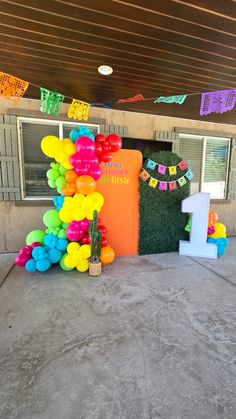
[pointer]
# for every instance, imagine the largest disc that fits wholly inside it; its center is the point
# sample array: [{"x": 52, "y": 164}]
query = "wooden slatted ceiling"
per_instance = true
[{"x": 160, "y": 47}]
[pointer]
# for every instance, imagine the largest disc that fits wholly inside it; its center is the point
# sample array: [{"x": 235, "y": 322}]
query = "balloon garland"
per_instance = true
[{"x": 66, "y": 239}]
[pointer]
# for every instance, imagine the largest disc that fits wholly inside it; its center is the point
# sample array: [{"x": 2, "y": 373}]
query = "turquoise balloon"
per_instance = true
[
  {"x": 35, "y": 236},
  {"x": 51, "y": 219}
]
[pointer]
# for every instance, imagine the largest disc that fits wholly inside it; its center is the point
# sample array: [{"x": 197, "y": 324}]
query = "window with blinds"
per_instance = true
[
  {"x": 34, "y": 164},
  {"x": 208, "y": 157}
]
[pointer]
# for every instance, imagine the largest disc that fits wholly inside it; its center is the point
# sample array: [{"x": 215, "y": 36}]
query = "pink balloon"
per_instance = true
[
  {"x": 85, "y": 146},
  {"x": 84, "y": 224},
  {"x": 76, "y": 159},
  {"x": 74, "y": 231},
  {"x": 81, "y": 170},
  {"x": 95, "y": 171},
  {"x": 23, "y": 255},
  {"x": 36, "y": 244}
]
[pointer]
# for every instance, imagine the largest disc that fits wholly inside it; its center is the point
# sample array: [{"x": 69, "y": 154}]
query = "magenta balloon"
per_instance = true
[
  {"x": 94, "y": 160},
  {"x": 74, "y": 231},
  {"x": 76, "y": 160},
  {"x": 95, "y": 171},
  {"x": 84, "y": 224},
  {"x": 81, "y": 170},
  {"x": 85, "y": 146},
  {"x": 36, "y": 244}
]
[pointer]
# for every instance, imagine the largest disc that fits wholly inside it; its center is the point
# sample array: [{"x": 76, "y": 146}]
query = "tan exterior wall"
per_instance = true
[{"x": 16, "y": 222}]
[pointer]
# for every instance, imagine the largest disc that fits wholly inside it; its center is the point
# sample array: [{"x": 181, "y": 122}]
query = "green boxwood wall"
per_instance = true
[{"x": 161, "y": 221}]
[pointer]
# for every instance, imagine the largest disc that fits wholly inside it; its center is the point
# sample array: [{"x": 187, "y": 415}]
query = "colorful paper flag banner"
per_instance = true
[
  {"x": 11, "y": 87},
  {"x": 79, "y": 110},
  {"x": 217, "y": 102},
  {"x": 160, "y": 168},
  {"x": 179, "y": 99},
  {"x": 135, "y": 98},
  {"x": 50, "y": 102}
]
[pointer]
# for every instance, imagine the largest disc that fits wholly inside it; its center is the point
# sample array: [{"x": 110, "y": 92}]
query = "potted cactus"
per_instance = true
[{"x": 95, "y": 265}]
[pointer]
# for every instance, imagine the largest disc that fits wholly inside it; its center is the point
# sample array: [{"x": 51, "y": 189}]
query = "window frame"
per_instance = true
[
  {"x": 203, "y": 158},
  {"x": 56, "y": 122}
]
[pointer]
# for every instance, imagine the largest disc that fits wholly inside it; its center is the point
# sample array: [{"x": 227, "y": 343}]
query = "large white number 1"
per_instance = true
[{"x": 198, "y": 206}]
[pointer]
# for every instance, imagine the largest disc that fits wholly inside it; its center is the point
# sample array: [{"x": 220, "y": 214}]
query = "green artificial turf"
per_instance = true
[{"x": 161, "y": 221}]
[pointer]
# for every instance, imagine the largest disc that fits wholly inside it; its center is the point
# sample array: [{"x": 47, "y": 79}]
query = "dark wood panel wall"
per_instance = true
[{"x": 160, "y": 47}]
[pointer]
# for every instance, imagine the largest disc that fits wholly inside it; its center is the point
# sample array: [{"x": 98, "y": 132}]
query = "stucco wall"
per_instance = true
[{"x": 16, "y": 222}]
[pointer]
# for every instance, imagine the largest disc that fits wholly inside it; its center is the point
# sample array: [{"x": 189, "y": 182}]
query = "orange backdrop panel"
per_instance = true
[{"x": 120, "y": 188}]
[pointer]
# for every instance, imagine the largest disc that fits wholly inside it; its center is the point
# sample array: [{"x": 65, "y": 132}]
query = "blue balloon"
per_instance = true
[
  {"x": 62, "y": 244},
  {"x": 58, "y": 201},
  {"x": 30, "y": 265},
  {"x": 54, "y": 255},
  {"x": 74, "y": 134},
  {"x": 43, "y": 265},
  {"x": 51, "y": 240}
]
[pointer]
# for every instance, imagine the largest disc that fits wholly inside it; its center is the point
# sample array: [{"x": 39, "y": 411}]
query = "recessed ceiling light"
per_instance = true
[{"x": 105, "y": 70}]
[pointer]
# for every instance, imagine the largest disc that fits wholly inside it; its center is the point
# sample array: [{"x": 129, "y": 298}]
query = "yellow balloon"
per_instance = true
[
  {"x": 51, "y": 145},
  {"x": 70, "y": 262},
  {"x": 82, "y": 265},
  {"x": 78, "y": 198},
  {"x": 65, "y": 215},
  {"x": 86, "y": 251},
  {"x": 87, "y": 203},
  {"x": 66, "y": 163},
  {"x": 97, "y": 198},
  {"x": 78, "y": 214},
  {"x": 69, "y": 149},
  {"x": 89, "y": 213},
  {"x": 73, "y": 247},
  {"x": 220, "y": 231}
]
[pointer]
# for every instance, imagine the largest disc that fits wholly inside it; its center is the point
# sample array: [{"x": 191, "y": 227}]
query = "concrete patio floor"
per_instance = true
[{"x": 154, "y": 337}]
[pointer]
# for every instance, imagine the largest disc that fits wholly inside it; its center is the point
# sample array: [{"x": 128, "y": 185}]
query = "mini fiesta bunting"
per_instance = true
[
  {"x": 160, "y": 168},
  {"x": 165, "y": 185}
]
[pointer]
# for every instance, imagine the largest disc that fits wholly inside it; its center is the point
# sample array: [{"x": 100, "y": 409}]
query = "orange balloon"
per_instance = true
[
  {"x": 212, "y": 218},
  {"x": 71, "y": 176},
  {"x": 85, "y": 184},
  {"x": 68, "y": 190},
  {"x": 107, "y": 255}
]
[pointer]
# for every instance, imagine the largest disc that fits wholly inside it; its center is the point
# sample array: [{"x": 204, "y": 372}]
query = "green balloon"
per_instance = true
[
  {"x": 62, "y": 234},
  {"x": 62, "y": 264},
  {"x": 35, "y": 236},
  {"x": 52, "y": 174},
  {"x": 62, "y": 170},
  {"x": 51, "y": 183},
  {"x": 60, "y": 182},
  {"x": 51, "y": 218}
]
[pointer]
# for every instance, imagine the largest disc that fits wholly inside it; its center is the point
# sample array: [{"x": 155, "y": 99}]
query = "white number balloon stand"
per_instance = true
[{"x": 198, "y": 206}]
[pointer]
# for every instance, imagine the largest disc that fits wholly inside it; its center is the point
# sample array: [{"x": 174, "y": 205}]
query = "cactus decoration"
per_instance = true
[{"x": 95, "y": 237}]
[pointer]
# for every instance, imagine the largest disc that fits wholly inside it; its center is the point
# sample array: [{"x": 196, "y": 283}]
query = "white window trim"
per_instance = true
[
  {"x": 60, "y": 124},
  {"x": 204, "y": 138}
]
